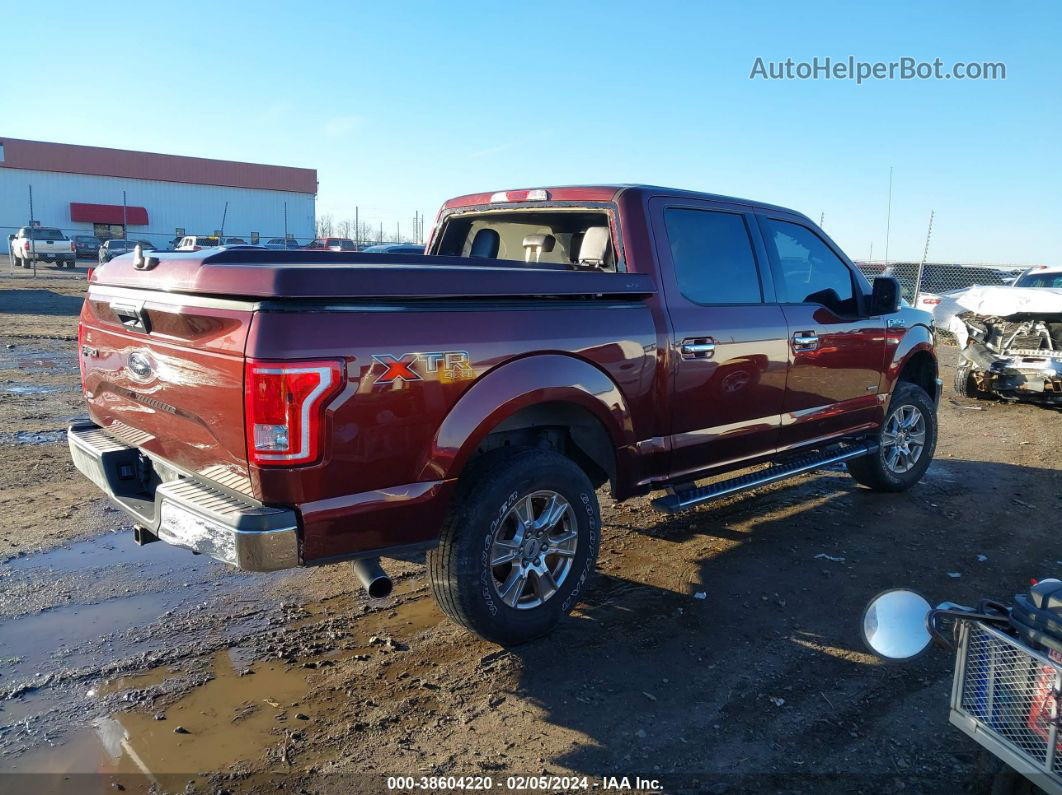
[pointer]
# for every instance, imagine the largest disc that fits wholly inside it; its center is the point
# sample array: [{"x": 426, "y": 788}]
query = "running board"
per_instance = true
[{"x": 681, "y": 499}]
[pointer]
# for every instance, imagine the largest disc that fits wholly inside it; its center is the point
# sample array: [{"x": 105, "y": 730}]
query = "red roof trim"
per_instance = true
[
  {"x": 108, "y": 214},
  {"x": 102, "y": 162}
]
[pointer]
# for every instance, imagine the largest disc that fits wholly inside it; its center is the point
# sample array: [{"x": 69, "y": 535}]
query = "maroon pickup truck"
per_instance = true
[{"x": 295, "y": 408}]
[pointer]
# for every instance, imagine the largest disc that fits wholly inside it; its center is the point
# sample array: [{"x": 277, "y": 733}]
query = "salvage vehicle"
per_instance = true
[
  {"x": 1011, "y": 339},
  {"x": 42, "y": 244},
  {"x": 284, "y": 408},
  {"x": 1041, "y": 276},
  {"x": 1006, "y": 691}
]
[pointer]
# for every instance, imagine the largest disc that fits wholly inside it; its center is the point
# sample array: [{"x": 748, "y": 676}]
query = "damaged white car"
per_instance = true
[{"x": 1011, "y": 340}]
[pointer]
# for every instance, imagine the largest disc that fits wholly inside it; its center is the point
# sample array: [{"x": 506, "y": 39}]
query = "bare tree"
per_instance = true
[
  {"x": 344, "y": 229},
  {"x": 324, "y": 226}
]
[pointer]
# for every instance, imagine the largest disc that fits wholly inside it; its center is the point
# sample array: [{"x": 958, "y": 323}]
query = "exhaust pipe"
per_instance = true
[{"x": 372, "y": 577}]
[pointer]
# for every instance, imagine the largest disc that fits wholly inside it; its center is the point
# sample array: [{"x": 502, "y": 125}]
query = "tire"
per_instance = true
[
  {"x": 965, "y": 386},
  {"x": 889, "y": 469},
  {"x": 483, "y": 525}
]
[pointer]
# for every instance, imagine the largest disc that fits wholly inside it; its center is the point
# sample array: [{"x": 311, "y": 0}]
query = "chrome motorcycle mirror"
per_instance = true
[{"x": 894, "y": 624}]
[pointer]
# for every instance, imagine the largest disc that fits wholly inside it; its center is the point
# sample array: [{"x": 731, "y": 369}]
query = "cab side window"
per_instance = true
[
  {"x": 812, "y": 273},
  {"x": 713, "y": 259}
]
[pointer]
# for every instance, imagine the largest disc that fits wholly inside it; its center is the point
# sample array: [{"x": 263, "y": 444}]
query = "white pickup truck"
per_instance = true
[{"x": 43, "y": 244}]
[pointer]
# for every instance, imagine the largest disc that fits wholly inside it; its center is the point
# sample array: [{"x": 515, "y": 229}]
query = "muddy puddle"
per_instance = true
[
  {"x": 204, "y": 649},
  {"x": 29, "y": 389},
  {"x": 33, "y": 437}
]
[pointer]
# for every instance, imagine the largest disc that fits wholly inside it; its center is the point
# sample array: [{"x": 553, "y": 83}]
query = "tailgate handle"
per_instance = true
[{"x": 131, "y": 316}]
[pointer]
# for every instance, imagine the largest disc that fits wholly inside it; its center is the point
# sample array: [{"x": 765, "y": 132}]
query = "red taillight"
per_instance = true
[
  {"x": 930, "y": 301},
  {"x": 88, "y": 274},
  {"x": 284, "y": 410},
  {"x": 25, "y": 245}
]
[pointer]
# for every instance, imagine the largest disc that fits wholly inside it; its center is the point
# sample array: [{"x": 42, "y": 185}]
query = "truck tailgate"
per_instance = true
[{"x": 165, "y": 373}]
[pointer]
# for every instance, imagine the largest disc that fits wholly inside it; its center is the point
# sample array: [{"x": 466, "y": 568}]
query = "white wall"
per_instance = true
[{"x": 197, "y": 208}]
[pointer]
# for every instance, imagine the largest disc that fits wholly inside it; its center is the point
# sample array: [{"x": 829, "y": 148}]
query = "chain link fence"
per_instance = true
[{"x": 923, "y": 284}]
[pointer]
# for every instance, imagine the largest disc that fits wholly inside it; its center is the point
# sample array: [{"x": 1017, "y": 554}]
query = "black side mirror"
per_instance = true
[{"x": 885, "y": 296}]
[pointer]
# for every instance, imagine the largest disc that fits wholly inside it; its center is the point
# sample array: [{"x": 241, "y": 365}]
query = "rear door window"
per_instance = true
[
  {"x": 812, "y": 273},
  {"x": 712, "y": 255}
]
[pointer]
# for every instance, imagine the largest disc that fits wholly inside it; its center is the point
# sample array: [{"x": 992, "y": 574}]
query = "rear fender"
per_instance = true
[{"x": 499, "y": 394}]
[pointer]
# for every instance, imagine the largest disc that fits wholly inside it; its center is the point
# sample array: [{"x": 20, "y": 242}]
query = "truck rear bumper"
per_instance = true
[{"x": 186, "y": 511}]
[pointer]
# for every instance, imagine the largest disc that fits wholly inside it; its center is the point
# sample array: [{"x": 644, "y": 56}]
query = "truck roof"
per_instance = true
[{"x": 598, "y": 193}]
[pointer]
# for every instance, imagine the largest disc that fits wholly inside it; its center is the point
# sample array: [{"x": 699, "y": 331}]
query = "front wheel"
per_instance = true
[
  {"x": 906, "y": 443},
  {"x": 518, "y": 546}
]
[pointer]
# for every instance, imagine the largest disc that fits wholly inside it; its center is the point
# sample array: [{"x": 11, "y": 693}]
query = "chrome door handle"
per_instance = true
[
  {"x": 805, "y": 341},
  {"x": 697, "y": 349}
]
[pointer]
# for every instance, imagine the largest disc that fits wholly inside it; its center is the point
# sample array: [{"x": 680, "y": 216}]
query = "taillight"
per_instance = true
[
  {"x": 88, "y": 274},
  {"x": 284, "y": 410},
  {"x": 930, "y": 301},
  {"x": 25, "y": 245}
]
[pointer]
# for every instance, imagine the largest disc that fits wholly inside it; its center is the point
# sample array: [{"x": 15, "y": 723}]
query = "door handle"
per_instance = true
[
  {"x": 805, "y": 341},
  {"x": 702, "y": 348}
]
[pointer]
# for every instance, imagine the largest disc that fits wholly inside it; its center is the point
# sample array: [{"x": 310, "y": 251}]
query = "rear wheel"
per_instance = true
[
  {"x": 906, "y": 443},
  {"x": 518, "y": 546}
]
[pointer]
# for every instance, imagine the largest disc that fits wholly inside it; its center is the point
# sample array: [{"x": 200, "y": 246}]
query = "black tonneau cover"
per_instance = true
[{"x": 264, "y": 273}]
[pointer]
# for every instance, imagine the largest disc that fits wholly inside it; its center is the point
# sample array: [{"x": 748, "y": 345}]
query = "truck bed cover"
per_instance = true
[{"x": 307, "y": 274}]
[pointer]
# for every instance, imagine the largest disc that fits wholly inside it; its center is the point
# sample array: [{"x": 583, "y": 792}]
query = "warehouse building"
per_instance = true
[{"x": 89, "y": 190}]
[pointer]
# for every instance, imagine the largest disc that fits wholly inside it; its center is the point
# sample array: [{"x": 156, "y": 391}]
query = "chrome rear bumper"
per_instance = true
[{"x": 187, "y": 511}]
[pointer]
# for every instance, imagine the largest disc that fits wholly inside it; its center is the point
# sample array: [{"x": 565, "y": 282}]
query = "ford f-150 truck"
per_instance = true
[{"x": 295, "y": 408}]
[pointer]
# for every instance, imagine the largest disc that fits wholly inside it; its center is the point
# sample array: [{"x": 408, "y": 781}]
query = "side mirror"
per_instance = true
[
  {"x": 885, "y": 296},
  {"x": 894, "y": 624},
  {"x": 10, "y": 238}
]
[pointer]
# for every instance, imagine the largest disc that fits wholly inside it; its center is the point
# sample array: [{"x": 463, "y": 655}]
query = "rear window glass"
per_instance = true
[
  {"x": 46, "y": 233},
  {"x": 579, "y": 238}
]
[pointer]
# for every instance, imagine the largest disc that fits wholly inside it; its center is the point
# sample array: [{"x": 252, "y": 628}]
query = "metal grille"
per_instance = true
[{"x": 1006, "y": 696}]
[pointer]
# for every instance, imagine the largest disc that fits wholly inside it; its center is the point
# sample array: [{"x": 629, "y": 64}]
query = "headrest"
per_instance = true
[
  {"x": 594, "y": 248},
  {"x": 544, "y": 242},
  {"x": 485, "y": 244},
  {"x": 538, "y": 245}
]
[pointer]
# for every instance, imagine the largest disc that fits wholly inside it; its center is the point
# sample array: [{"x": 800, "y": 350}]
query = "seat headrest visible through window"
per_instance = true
[
  {"x": 485, "y": 244},
  {"x": 537, "y": 245},
  {"x": 594, "y": 249}
]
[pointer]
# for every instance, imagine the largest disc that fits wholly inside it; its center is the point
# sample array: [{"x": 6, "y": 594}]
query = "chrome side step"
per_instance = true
[{"x": 681, "y": 499}]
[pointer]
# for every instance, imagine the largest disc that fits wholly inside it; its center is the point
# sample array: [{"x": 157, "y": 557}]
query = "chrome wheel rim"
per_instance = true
[
  {"x": 533, "y": 549},
  {"x": 903, "y": 439}
]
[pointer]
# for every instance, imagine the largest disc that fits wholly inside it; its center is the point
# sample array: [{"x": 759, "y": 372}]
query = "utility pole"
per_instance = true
[
  {"x": 888, "y": 220},
  {"x": 922, "y": 264},
  {"x": 357, "y": 227},
  {"x": 33, "y": 236},
  {"x": 381, "y": 233},
  {"x": 822, "y": 217},
  {"x": 125, "y": 218},
  {"x": 871, "y": 257},
  {"x": 285, "y": 224},
  {"x": 224, "y": 215},
  {"x": 398, "y": 233}
]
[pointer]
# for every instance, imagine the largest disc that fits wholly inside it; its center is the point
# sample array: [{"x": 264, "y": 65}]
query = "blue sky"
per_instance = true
[{"x": 401, "y": 105}]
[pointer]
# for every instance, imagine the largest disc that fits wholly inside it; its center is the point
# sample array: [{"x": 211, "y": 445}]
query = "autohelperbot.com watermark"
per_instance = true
[{"x": 851, "y": 68}]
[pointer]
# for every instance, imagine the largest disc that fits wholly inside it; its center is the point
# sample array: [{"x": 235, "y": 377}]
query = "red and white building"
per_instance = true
[{"x": 79, "y": 189}]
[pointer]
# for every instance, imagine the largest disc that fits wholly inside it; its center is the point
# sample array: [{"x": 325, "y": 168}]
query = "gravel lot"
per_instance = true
[{"x": 295, "y": 681}]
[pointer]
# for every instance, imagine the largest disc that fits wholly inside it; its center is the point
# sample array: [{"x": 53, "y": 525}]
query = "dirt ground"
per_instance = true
[{"x": 149, "y": 668}]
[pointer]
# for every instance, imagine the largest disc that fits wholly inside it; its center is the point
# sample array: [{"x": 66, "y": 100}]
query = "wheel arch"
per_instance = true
[
  {"x": 524, "y": 399},
  {"x": 915, "y": 361}
]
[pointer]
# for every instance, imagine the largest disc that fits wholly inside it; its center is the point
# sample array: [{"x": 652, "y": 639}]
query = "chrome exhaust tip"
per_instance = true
[{"x": 372, "y": 577}]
